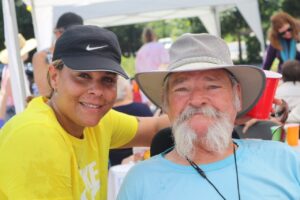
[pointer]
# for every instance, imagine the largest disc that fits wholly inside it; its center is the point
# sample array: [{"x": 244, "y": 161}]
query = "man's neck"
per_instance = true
[{"x": 201, "y": 157}]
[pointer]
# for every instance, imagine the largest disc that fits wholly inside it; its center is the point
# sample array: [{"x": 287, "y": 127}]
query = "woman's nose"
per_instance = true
[{"x": 96, "y": 89}]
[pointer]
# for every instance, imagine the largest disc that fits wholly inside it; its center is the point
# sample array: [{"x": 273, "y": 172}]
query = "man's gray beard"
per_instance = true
[{"x": 216, "y": 139}]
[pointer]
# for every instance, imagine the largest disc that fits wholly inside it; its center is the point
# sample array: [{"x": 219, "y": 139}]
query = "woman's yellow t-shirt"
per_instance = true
[{"x": 39, "y": 160}]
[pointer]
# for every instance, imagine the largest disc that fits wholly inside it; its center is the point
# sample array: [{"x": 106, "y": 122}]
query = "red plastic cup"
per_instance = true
[{"x": 263, "y": 107}]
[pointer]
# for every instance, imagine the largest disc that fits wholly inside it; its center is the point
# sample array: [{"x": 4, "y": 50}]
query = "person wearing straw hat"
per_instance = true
[
  {"x": 25, "y": 47},
  {"x": 203, "y": 92},
  {"x": 42, "y": 59},
  {"x": 58, "y": 147}
]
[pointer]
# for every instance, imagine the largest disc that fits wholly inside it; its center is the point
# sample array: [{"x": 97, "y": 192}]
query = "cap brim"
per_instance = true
[
  {"x": 251, "y": 79},
  {"x": 94, "y": 63}
]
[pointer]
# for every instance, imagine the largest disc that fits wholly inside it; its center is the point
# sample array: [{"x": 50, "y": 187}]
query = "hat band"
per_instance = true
[{"x": 199, "y": 60}]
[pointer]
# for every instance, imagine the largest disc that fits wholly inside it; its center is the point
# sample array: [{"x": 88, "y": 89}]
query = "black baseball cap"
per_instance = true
[
  {"x": 89, "y": 48},
  {"x": 67, "y": 20}
]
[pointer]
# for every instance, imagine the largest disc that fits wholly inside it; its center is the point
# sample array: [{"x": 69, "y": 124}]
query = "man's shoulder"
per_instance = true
[
  {"x": 259, "y": 143},
  {"x": 264, "y": 146},
  {"x": 150, "y": 165}
]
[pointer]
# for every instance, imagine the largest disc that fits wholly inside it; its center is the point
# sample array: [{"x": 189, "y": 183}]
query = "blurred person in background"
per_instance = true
[
  {"x": 25, "y": 47},
  {"x": 42, "y": 59},
  {"x": 289, "y": 90},
  {"x": 283, "y": 36},
  {"x": 151, "y": 56},
  {"x": 125, "y": 104}
]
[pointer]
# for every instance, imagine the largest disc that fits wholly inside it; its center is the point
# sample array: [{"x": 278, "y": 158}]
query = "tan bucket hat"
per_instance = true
[
  {"x": 195, "y": 52},
  {"x": 25, "y": 47}
]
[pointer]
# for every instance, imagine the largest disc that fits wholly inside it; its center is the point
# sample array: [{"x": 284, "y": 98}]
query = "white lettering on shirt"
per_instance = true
[{"x": 92, "y": 184}]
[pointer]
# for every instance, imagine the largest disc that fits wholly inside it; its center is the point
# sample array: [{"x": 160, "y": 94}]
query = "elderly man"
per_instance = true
[{"x": 203, "y": 92}]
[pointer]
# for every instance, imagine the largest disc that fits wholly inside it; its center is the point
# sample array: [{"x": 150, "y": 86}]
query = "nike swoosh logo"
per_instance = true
[{"x": 88, "y": 48}]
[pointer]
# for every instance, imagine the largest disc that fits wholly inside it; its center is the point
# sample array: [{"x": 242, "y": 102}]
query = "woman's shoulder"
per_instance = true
[{"x": 36, "y": 120}]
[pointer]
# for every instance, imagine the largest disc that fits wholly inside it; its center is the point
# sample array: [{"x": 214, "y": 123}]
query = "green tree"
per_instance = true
[
  {"x": 130, "y": 35},
  {"x": 24, "y": 21},
  {"x": 234, "y": 27},
  {"x": 292, "y": 7}
]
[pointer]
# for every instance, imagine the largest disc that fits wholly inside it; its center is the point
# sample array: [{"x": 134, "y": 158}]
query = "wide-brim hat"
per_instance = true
[
  {"x": 25, "y": 47},
  {"x": 198, "y": 52},
  {"x": 89, "y": 48}
]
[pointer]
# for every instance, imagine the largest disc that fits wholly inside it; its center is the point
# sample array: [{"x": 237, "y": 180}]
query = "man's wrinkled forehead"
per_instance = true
[{"x": 208, "y": 75}]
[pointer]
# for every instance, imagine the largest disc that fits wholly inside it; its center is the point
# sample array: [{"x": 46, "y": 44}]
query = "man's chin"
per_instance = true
[{"x": 200, "y": 125}]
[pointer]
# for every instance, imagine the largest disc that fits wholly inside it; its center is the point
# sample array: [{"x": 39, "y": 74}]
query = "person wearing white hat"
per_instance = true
[
  {"x": 25, "y": 47},
  {"x": 203, "y": 92}
]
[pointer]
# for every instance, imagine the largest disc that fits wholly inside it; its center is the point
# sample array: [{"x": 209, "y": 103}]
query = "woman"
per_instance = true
[
  {"x": 58, "y": 147},
  {"x": 283, "y": 35}
]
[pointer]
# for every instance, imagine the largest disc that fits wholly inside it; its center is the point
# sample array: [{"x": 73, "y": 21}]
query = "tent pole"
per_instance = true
[{"x": 16, "y": 68}]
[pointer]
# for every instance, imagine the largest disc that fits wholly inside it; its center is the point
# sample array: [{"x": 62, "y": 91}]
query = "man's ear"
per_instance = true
[
  {"x": 239, "y": 93},
  {"x": 164, "y": 106},
  {"x": 53, "y": 76}
]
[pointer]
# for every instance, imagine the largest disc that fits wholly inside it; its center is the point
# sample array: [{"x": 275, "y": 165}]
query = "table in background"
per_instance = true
[{"x": 116, "y": 175}]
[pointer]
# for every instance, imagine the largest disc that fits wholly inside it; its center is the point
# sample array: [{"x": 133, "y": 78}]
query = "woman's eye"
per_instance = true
[
  {"x": 109, "y": 80},
  {"x": 83, "y": 75}
]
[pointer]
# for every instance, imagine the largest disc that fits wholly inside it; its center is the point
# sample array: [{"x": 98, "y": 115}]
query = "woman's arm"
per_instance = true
[
  {"x": 147, "y": 128},
  {"x": 269, "y": 57}
]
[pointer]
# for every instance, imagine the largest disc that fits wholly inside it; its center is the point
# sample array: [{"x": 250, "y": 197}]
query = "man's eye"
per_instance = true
[
  {"x": 213, "y": 87},
  {"x": 181, "y": 89}
]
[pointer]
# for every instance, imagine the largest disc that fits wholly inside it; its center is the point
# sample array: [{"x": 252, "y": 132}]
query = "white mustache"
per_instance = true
[{"x": 190, "y": 111}]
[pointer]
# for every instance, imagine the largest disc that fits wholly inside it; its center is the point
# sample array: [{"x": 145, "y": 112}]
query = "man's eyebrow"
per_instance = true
[
  {"x": 178, "y": 80},
  {"x": 211, "y": 78}
]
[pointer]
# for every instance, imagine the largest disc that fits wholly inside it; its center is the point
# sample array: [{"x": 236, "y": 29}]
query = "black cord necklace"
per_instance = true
[{"x": 203, "y": 175}]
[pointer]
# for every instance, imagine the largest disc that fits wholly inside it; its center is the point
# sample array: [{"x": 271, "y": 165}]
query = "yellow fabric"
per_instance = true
[{"x": 39, "y": 160}]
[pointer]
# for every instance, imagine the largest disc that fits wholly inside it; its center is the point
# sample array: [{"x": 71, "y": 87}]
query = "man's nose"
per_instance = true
[{"x": 198, "y": 97}]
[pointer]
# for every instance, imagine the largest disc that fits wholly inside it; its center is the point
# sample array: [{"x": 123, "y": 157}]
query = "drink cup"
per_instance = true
[
  {"x": 139, "y": 150},
  {"x": 292, "y": 134},
  {"x": 276, "y": 133},
  {"x": 263, "y": 107}
]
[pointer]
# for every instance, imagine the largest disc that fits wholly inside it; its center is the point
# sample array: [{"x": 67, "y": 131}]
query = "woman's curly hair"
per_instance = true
[{"x": 279, "y": 20}]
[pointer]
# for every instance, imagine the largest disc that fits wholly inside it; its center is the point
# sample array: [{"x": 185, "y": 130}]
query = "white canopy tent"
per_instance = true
[{"x": 121, "y": 12}]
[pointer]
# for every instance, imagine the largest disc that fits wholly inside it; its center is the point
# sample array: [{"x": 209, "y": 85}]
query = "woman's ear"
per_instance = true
[{"x": 53, "y": 77}]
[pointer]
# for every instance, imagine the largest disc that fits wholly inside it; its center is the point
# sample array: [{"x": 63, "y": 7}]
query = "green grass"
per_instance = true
[{"x": 128, "y": 64}]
